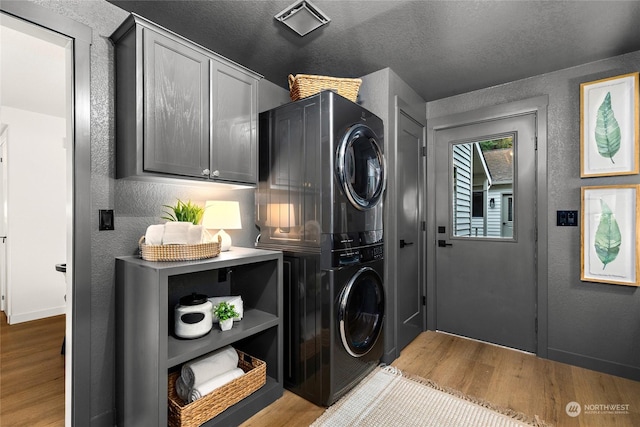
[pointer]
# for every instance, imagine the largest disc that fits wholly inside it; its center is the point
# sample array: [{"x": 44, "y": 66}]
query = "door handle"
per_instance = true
[
  {"x": 403, "y": 243},
  {"x": 443, "y": 243}
]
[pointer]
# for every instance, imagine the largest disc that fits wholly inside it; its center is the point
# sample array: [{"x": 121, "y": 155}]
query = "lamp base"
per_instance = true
[{"x": 225, "y": 244}]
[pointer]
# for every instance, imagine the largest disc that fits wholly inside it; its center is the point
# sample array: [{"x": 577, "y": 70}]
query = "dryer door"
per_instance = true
[
  {"x": 360, "y": 167},
  {"x": 361, "y": 312}
]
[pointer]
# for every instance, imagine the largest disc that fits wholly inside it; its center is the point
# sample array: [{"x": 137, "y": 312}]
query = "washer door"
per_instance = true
[
  {"x": 361, "y": 312},
  {"x": 360, "y": 167}
]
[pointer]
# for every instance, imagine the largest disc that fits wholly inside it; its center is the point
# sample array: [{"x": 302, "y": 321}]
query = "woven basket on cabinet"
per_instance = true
[
  {"x": 179, "y": 252},
  {"x": 304, "y": 85}
]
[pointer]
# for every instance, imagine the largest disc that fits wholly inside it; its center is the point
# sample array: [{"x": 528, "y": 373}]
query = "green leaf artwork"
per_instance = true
[
  {"x": 608, "y": 237},
  {"x": 607, "y": 130}
]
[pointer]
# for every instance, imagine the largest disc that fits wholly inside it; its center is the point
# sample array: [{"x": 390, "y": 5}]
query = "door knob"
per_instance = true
[
  {"x": 443, "y": 243},
  {"x": 403, "y": 243}
]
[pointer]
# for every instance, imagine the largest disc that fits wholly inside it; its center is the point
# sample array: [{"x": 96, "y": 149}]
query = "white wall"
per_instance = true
[{"x": 36, "y": 163}]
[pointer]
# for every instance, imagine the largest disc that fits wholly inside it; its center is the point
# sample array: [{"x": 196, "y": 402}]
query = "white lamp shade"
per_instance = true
[
  {"x": 222, "y": 215},
  {"x": 219, "y": 215}
]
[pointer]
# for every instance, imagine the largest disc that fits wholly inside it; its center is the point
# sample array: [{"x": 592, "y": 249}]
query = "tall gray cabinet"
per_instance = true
[
  {"x": 182, "y": 110},
  {"x": 147, "y": 350}
]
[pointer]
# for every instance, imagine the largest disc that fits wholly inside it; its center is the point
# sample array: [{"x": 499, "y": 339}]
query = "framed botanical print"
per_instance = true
[
  {"x": 609, "y": 130},
  {"x": 610, "y": 234}
]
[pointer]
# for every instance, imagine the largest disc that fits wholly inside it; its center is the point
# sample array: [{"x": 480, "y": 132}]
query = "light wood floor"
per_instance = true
[
  {"x": 32, "y": 380},
  {"x": 32, "y": 373}
]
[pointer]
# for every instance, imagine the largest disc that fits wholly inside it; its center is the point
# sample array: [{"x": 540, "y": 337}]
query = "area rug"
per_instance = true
[{"x": 387, "y": 397}]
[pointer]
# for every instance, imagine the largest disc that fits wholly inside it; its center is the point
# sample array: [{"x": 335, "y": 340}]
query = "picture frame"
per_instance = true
[
  {"x": 609, "y": 131},
  {"x": 610, "y": 234}
]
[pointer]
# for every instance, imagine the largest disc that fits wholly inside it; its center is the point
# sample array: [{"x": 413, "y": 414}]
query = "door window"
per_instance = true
[
  {"x": 361, "y": 312},
  {"x": 483, "y": 174},
  {"x": 360, "y": 167}
]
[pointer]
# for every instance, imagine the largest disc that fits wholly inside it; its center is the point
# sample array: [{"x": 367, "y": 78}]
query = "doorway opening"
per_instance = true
[{"x": 78, "y": 202}]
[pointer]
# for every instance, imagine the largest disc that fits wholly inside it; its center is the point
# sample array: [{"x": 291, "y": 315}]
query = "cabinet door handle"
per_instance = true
[
  {"x": 403, "y": 243},
  {"x": 205, "y": 172},
  {"x": 216, "y": 173}
]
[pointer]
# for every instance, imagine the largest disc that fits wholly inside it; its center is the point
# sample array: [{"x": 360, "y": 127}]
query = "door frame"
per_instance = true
[
  {"x": 539, "y": 106},
  {"x": 78, "y": 329}
]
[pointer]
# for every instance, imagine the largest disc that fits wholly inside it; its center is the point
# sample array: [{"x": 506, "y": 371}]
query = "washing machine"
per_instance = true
[
  {"x": 321, "y": 172},
  {"x": 334, "y": 319}
]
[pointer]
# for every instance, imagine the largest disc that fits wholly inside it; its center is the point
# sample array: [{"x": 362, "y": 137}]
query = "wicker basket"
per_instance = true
[
  {"x": 304, "y": 85},
  {"x": 179, "y": 252},
  {"x": 194, "y": 414}
]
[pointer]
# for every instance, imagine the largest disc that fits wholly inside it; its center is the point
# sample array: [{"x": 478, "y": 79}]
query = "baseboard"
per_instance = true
[
  {"x": 35, "y": 315},
  {"x": 600, "y": 365}
]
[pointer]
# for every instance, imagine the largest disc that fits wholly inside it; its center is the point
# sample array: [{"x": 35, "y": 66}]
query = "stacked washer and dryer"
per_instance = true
[{"x": 319, "y": 200}]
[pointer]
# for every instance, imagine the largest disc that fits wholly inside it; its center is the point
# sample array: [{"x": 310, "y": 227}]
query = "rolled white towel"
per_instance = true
[
  {"x": 182, "y": 389},
  {"x": 154, "y": 234},
  {"x": 176, "y": 233},
  {"x": 209, "y": 366},
  {"x": 194, "y": 235},
  {"x": 214, "y": 383}
]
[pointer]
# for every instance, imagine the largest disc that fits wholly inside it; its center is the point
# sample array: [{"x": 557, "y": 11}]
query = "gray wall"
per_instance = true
[{"x": 589, "y": 324}]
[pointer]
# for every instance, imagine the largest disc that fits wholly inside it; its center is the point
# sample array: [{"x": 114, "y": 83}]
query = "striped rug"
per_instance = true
[{"x": 387, "y": 397}]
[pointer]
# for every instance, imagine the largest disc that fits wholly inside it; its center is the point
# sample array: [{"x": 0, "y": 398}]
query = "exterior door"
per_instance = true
[
  {"x": 486, "y": 285},
  {"x": 409, "y": 305}
]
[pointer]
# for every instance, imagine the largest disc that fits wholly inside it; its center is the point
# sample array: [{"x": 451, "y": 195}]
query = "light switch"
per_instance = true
[
  {"x": 567, "y": 219},
  {"x": 106, "y": 219}
]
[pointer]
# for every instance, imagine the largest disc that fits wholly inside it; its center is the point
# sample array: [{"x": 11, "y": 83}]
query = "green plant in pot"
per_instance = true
[
  {"x": 225, "y": 313},
  {"x": 181, "y": 211}
]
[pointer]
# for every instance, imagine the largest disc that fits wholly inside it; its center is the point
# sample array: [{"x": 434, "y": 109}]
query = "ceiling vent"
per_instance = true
[{"x": 302, "y": 17}]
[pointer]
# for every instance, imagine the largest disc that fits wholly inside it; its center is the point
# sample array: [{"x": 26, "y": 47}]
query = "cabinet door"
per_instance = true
[
  {"x": 176, "y": 107},
  {"x": 234, "y": 148}
]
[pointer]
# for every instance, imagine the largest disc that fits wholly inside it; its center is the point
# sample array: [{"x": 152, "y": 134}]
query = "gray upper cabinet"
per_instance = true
[{"x": 182, "y": 110}]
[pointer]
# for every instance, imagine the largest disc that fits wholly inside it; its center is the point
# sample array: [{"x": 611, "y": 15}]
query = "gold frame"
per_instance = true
[
  {"x": 627, "y": 205},
  {"x": 626, "y": 86}
]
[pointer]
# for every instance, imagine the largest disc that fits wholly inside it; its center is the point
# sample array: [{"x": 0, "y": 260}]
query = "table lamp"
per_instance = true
[{"x": 221, "y": 215}]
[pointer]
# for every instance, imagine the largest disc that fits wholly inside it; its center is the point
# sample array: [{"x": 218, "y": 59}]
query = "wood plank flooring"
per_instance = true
[
  {"x": 32, "y": 373},
  {"x": 32, "y": 381}
]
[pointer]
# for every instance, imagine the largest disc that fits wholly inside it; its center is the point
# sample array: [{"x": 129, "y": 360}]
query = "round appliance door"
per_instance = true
[
  {"x": 360, "y": 167},
  {"x": 361, "y": 312}
]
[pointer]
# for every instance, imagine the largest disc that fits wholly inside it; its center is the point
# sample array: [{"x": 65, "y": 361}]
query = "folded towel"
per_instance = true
[
  {"x": 182, "y": 389},
  {"x": 176, "y": 233},
  {"x": 209, "y": 366},
  {"x": 214, "y": 383},
  {"x": 236, "y": 301},
  {"x": 194, "y": 235},
  {"x": 154, "y": 234}
]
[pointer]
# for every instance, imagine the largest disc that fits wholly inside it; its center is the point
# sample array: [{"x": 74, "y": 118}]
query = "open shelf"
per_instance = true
[{"x": 183, "y": 350}]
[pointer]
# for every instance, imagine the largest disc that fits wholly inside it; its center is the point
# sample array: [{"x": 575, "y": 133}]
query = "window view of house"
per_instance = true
[{"x": 483, "y": 188}]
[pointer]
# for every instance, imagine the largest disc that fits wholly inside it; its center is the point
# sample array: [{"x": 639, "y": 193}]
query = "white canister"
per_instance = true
[{"x": 193, "y": 316}]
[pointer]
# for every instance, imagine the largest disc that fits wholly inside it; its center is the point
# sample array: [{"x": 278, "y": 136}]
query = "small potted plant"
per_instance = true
[
  {"x": 188, "y": 212},
  {"x": 225, "y": 313}
]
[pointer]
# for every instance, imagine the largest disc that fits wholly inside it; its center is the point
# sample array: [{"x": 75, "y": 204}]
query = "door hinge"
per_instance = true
[
  {"x": 535, "y": 143},
  {"x": 423, "y": 225},
  {"x": 536, "y": 325},
  {"x": 424, "y": 151},
  {"x": 424, "y": 300}
]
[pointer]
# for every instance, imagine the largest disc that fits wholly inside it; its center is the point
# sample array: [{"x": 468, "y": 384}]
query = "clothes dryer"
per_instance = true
[{"x": 322, "y": 172}]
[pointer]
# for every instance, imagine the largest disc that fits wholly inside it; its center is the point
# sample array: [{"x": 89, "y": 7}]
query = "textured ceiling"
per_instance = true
[{"x": 440, "y": 48}]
